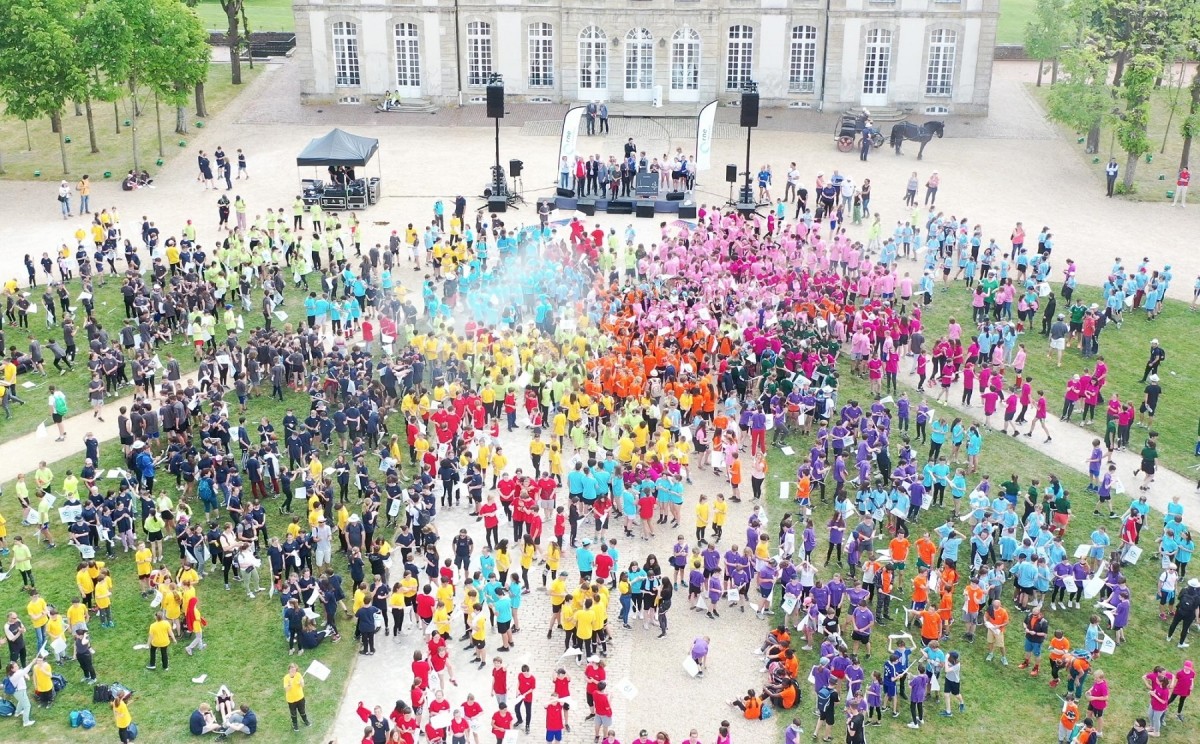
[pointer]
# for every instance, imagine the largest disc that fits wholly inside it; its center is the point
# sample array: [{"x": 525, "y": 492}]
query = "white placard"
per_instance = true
[
  {"x": 1108, "y": 645},
  {"x": 1069, "y": 584},
  {"x": 1092, "y": 587},
  {"x": 68, "y": 514},
  {"x": 787, "y": 450},
  {"x": 784, "y": 488},
  {"x": 281, "y": 315},
  {"x": 690, "y": 666},
  {"x": 58, "y": 645},
  {"x": 626, "y": 688},
  {"x": 318, "y": 670},
  {"x": 1082, "y": 550},
  {"x": 441, "y": 720},
  {"x": 1132, "y": 554}
]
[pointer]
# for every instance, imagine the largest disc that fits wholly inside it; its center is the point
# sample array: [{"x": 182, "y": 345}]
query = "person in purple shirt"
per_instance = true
[
  {"x": 838, "y": 665},
  {"x": 839, "y": 476},
  {"x": 1059, "y": 593},
  {"x": 837, "y": 439},
  {"x": 767, "y": 574},
  {"x": 818, "y": 477},
  {"x": 902, "y": 412},
  {"x": 852, "y": 553},
  {"x": 1080, "y": 571},
  {"x": 716, "y": 588},
  {"x": 837, "y": 528},
  {"x": 864, "y": 622},
  {"x": 837, "y": 592},
  {"x": 916, "y": 497},
  {"x": 855, "y": 677},
  {"x": 809, "y": 538},
  {"x": 820, "y": 674},
  {"x": 855, "y": 595},
  {"x": 1121, "y": 614},
  {"x": 820, "y": 595},
  {"x": 712, "y": 560},
  {"x": 918, "y": 687}
]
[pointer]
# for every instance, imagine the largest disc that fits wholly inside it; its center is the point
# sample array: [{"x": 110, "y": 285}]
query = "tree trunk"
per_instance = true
[
  {"x": 158, "y": 125},
  {"x": 1093, "y": 139},
  {"x": 117, "y": 116},
  {"x": 1131, "y": 162},
  {"x": 233, "y": 37},
  {"x": 1120, "y": 70},
  {"x": 181, "y": 120},
  {"x": 2, "y": 171},
  {"x": 1041, "y": 66},
  {"x": 62, "y": 149},
  {"x": 56, "y": 122},
  {"x": 1054, "y": 71},
  {"x": 1193, "y": 109},
  {"x": 201, "y": 106},
  {"x": 87, "y": 104},
  {"x": 133, "y": 138}
]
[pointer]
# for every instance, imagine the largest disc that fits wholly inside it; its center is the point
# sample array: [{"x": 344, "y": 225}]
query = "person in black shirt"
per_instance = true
[{"x": 1158, "y": 355}]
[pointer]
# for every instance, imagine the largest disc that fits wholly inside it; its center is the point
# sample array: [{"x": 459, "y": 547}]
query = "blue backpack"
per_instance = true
[
  {"x": 86, "y": 719},
  {"x": 7, "y": 709},
  {"x": 132, "y": 731}
]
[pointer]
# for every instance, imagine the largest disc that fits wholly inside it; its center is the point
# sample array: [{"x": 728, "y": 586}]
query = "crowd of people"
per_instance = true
[{"x": 635, "y": 366}]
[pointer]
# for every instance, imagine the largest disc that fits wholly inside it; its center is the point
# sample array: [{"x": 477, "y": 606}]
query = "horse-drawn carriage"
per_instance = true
[{"x": 849, "y": 127}]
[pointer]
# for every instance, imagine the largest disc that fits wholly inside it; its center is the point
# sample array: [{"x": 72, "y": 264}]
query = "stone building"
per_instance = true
[{"x": 932, "y": 56}]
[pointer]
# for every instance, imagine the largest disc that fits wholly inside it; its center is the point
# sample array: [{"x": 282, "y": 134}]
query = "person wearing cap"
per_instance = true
[
  {"x": 1149, "y": 405},
  {"x": 1158, "y": 355}
]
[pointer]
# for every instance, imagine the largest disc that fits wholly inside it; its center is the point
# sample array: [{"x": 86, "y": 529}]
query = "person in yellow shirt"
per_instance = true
[
  {"x": 43, "y": 682},
  {"x": 143, "y": 558},
  {"x": 703, "y": 512},
  {"x": 38, "y": 616},
  {"x": 3, "y": 524},
  {"x": 567, "y": 621},
  {"x": 77, "y": 615},
  {"x": 56, "y": 631},
  {"x": 293, "y": 693},
  {"x": 122, "y": 718},
  {"x": 584, "y": 632},
  {"x": 720, "y": 509},
  {"x": 83, "y": 580},
  {"x": 479, "y": 634},
  {"x": 104, "y": 591},
  {"x": 395, "y": 603},
  {"x": 159, "y": 638},
  {"x": 537, "y": 448}
]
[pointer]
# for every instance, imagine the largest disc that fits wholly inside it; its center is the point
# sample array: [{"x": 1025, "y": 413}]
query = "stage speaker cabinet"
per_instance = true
[
  {"x": 495, "y": 103},
  {"x": 514, "y": 168},
  {"x": 645, "y": 209},
  {"x": 620, "y": 206},
  {"x": 687, "y": 211},
  {"x": 675, "y": 195},
  {"x": 566, "y": 193},
  {"x": 587, "y": 206},
  {"x": 749, "y": 108},
  {"x": 731, "y": 173},
  {"x": 497, "y": 204}
]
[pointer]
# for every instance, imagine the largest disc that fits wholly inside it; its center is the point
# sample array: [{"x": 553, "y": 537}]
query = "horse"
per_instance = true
[{"x": 923, "y": 133}]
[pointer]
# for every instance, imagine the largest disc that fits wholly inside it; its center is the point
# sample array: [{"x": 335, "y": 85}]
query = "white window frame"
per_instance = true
[
  {"x": 593, "y": 59},
  {"x": 346, "y": 70},
  {"x": 407, "y": 43},
  {"x": 479, "y": 53},
  {"x": 802, "y": 60},
  {"x": 739, "y": 56},
  {"x": 939, "y": 72},
  {"x": 639, "y": 59},
  {"x": 685, "y": 59},
  {"x": 541, "y": 55},
  {"x": 877, "y": 61}
]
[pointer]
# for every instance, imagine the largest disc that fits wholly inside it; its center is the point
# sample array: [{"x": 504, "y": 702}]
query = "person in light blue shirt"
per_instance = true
[
  {"x": 1093, "y": 636},
  {"x": 1174, "y": 509},
  {"x": 1008, "y": 545},
  {"x": 950, "y": 547},
  {"x": 1100, "y": 542},
  {"x": 585, "y": 559}
]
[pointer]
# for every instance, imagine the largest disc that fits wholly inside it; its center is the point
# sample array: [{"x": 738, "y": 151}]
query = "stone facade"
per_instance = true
[{"x": 918, "y": 54}]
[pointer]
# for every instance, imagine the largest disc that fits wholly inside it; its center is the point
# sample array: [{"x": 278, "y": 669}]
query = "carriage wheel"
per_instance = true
[
  {"x": 845, "y": 143},
  {"x": 877, "y": 139}
]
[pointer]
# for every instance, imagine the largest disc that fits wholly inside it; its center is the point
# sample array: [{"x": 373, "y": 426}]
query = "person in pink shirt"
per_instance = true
[
  {"x": 875, "y": 373},
  {"x": 968, "y": 383},
  {"x": 1097, "y": 699},
  {"x": 1039, "y": 417},
  {"x": 1018, "y": 362},
  {"x": 1182, "y": 689},
  {"x": 990, "y": 398},
  {"x": 922, "y": 371},
  {"x": 1158, "y": 683},
  {"x": 1091, "y": 397},
  {"x": 1026, "y": 398},
  {"x": 1010, "y": 413},
  {"x": 1070, "y": 398},
  {"x": 954, "y": 330}
]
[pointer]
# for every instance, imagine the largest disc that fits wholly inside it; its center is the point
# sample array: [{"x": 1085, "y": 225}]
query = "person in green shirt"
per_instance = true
[
  {"x": 1149, "y": 458},
  {"x": 22, "y": 560}
]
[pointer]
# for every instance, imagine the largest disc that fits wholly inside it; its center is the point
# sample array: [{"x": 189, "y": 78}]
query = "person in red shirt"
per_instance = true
[
  {"x": 421, "y": 668},
  {"x": 434, "y": 735},
  {"x": 489, "y": 512},
  {"x": 560, "y": 526},
  {"x": 472, "y": 710},
  {"x": 416, "y": 694},
  {"x": 604, "y": 565},
  {"x": 554, "y": 721},
  {"x": 405, "y": 722},
  {"x": 603, "y": 708},
  {"x": 595, "y": 674},
  {"x": 562, "y": 691},
  {"x": 439, "y": 704},
  {"x": 459, "y": 726},
  {"x": 426, "y": 603},
  {"x": 526, "y": 684},
  {"x": 499, "y": 681},
  {"x": 502, "y": 721}
]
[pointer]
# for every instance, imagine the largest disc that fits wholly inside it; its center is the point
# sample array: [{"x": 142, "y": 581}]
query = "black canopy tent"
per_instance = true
[{"x": 339, "y": 149}]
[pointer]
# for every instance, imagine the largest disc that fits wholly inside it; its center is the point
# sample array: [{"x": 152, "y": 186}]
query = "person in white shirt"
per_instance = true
[{"x": 793, "y": 182}]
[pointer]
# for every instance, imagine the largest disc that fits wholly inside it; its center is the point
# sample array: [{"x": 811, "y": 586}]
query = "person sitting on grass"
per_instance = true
[{"x": 203, "y": 721}]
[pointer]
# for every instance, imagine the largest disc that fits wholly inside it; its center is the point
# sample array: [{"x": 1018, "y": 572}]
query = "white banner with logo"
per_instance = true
[
  {"x": 570, "y": 138},
  {"x": 705, "y": 129}
]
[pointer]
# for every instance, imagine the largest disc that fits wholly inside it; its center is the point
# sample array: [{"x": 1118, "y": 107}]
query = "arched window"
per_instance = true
[
  {"x": 541, "y": 55},
  {"x": 877, "y": 61},
  {"x": 739, "y": 57},
  {"x": 685, "y": 59},
  {"x": 408, "y": 56},
  {"x": 639, "y": 60},
  {"x": 345, "y": 54},
  {"x": 593, "y": 59},
  {"x": 802, "y": 59},
  {"x": 479, "y": 52},
  {"x": 939, "y": 77}
]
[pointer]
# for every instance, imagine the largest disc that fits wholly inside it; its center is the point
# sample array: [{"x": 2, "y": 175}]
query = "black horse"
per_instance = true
[{"x": 923, "y": 133}]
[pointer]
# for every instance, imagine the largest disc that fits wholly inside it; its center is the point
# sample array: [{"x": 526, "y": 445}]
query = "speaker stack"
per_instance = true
[
  {"x": 731, "y": 173},
  {"x": 749, "y": 109},
  {"x": 495, "y": 102}
]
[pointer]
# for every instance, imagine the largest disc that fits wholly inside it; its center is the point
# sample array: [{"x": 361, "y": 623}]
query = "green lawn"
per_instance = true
[
  {"x": 40, "y": 152},
  {"x": 1002, "y": 701},
  {"x": 1125, "y": 350},
  {"x": 246, "y": 647},
  {"x": 262, "y": 15},
  {"x": 1151, "y": 180},
  {"x": 1014, "y": 16}
]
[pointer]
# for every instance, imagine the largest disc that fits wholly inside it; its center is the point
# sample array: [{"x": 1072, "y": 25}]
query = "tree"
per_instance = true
[
  {"x": 1133, "y": 27},
  {"x": 1082, "y": 98},
  {"x": 1138, "y": 85},
  {"x": 40, "y": 65},
  {"x": 154, "y": 46},
  {"x": 1046, "y": 33}
]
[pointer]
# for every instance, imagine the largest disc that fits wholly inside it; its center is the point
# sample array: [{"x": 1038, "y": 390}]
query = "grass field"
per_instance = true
[
  {"x": 1003, "y": 703},
  {"x": 40, "y": 152},
  {"x": 246, "y": 647},
  {"x": 1125, "y": 350},
  {"x": 1014, "y": 16},
  {"x": 262, "y": 15},
  {"x": 1152, "y": 180}
]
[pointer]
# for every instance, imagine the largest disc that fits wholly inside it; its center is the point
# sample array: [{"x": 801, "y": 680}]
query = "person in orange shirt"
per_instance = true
[
  {"x": 1059, "y": 646},
  {"x": 926, "y": 549},
  {"x": 974, "y": 603},
  {"x": 1066, "y": 721},
  {"x": 931, "y": 626},
  {"x": 997, "y": 622},
  {"x": 949, "y": 579},
  {"x": 899, "y": 546},
  {"x": 883, "y": 600},
  {"x": 735, "y": 477},
  {"x": 946, "y": 611},
  {"x": 920, "y": 594}
]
